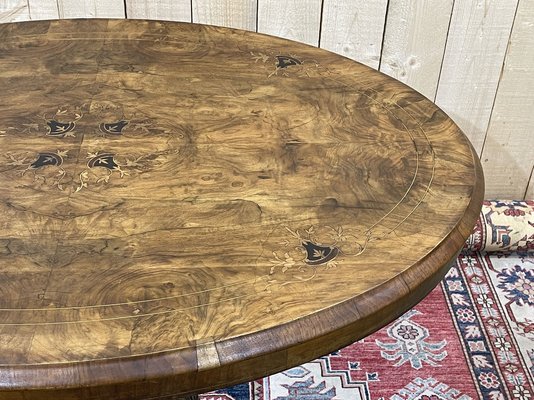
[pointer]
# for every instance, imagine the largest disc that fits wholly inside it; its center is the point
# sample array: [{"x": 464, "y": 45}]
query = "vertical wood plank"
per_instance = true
[
  {"x": 91, "y": 8},
  {"x": 43, "y": 9},
  {"x": 474, "y": 55},
  {"x": 508, "y": 154},
  {"x": 298, "y": 20},
  {"x": 14, "y": 10},
  {"x": 529, "y": 195},
  {"x": 239, "y": 14},
  {"x": 414, "y": 42},
  {"x": 171, "y": 10},
  {"x": 354, "y": 29}
]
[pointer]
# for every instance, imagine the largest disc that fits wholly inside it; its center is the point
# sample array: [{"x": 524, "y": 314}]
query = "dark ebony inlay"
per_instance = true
[
  {"x": 105, "y": 160},
  {"x": 286, "y": 61},
  {"x": 114, "y": 128},
  {"x": 317, "y": 255},
  {"x": 56, "y": 128},
  {"x": 46, "y": 159}
]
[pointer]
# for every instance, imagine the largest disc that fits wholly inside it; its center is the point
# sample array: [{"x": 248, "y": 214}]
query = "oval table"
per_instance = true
[{"x": 186, "y": 207}]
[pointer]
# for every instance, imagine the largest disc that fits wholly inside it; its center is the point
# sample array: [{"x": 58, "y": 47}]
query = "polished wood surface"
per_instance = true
[{"x": 185, "y": 207}]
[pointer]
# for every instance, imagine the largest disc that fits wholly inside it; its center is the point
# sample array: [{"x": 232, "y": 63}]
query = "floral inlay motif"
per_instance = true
[
  {"x": 304, "y": 251},
  {"x": 106, "y": 163},
  {"x": 285, "y": 64},
  {"x": 307, "y": 250},
  {"x": 114, "y": 128},
  {"x": 63, "y": 123},
  {"x": 36, "y": 164},
  {"x": 97, "y": 126}
]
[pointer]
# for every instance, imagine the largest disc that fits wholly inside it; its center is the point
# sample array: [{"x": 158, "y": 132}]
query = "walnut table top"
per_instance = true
[{"x": 185, "y": 207}]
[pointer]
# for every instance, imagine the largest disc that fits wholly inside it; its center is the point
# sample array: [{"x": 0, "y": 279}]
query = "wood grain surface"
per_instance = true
[{"x": 185, "y": 207}]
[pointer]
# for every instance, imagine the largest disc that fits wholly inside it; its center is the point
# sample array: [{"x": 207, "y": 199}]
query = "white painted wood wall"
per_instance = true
[{"x": 474, "y": 58}]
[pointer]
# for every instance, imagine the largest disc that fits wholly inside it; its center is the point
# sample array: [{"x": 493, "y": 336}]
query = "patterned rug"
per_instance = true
[{"x": 480, "y": 346}]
